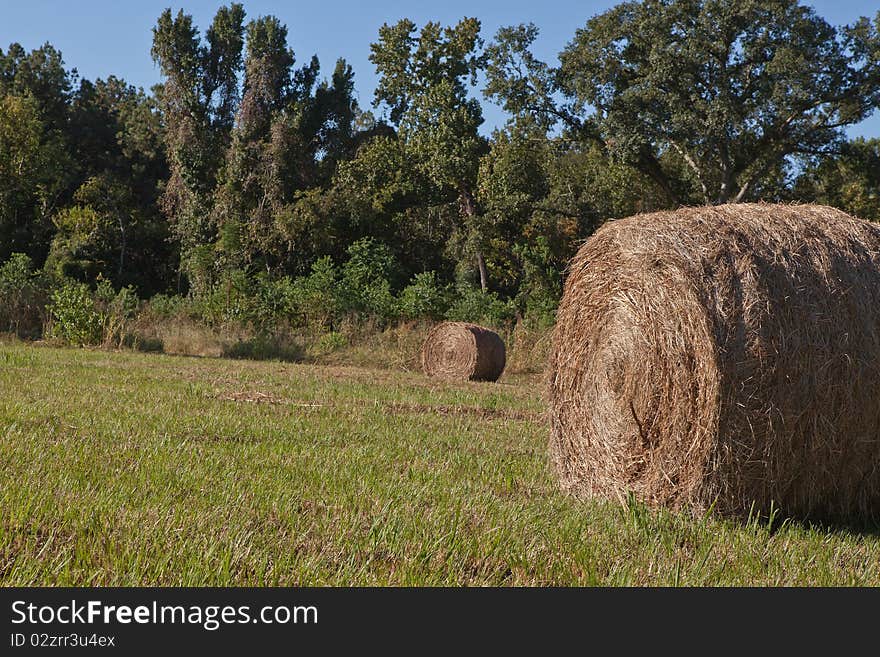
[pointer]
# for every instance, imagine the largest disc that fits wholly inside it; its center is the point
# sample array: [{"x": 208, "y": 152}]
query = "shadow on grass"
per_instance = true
[
  {"x": 854, "y": 525},
  {"x": 145, "y": 344},
  {"x": 265, "y": 348},
  {"x": 860, "y": 528},
  {"x": 652, "y": 518},
  {"x": 777, "y": 521}
]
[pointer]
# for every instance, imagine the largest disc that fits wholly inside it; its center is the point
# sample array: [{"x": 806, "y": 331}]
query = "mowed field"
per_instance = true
[{"x": 138, "y": 469}]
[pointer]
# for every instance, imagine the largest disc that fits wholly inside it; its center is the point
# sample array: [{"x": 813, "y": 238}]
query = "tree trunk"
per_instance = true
[
  {"x": 121, "y": 249},
  {"x": 726, "y": 176},
  {"x": 468, "y": 207},
  {"x": 484, "y": 273},
  {"x": 649, "y": 165}
]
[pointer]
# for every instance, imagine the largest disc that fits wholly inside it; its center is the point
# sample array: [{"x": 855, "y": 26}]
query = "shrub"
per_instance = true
[
  {"x": 376, "y": 300},
  {"x": 423, "y": 297},
  {"x": 540, "y": 309},
  {"x": 227, "y": 302},
  {"x": 330, "y": 342},
  {"x": 118, "y": 310},
  {"x": 265, "y": 347},
  {"x": 273, "y": 302},
  {"x": 474, "y": 305},
  {"x": 314, "y": 299},
  {"x": 541, "y": 287},
  {"x": 22, "y": 297},
  {"x": 163, "y": 305},
  {"x": 75, "y": 317},
  {"x": 368, "y": 261},
  {"x": 367, "y": 277}
]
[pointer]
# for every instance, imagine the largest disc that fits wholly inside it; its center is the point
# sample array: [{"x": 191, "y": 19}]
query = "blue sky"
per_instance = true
[{"x": 104, "y": 37}]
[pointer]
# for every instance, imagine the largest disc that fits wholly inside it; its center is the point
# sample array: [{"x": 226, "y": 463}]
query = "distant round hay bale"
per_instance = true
[
  {"x": 723, "y": 357},
  {"x": 458, "y": 351}
]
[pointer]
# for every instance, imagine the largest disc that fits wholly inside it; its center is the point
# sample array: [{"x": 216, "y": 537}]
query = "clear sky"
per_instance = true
[{"x": 104, "y": 37}]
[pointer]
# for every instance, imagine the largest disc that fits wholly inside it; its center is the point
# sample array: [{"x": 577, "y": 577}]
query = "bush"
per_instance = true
[
  {"x": 540, "y": 309},
  {"x": 474, "y": 305},
  {"x": 75, "y": 317},
  {"x": 366, "y": 280},
  {"x": 314, "y": 299},
  {"x": 118, "y": 309},
  {"x": 541, "y": 287},
  {"x": 274, "y": 302},
  {"x": 330, "y": 342},
  {"x": 163, "y": 305},
  {"x": 368, "y": 261},
  {"x": 377, "y": 301},
  {"x": 227, "y": 302},
  {"x": 22, "y": 297},
  {"x": 423, "y": 297}
]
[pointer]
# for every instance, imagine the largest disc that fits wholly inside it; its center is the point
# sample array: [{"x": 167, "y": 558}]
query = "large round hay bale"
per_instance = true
[
  {"x": 723, "y": 356},
  {"x": 458, "y": 351}
]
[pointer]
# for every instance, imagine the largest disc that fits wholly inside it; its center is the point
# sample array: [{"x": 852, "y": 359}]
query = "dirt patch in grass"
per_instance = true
[
  {"x": 251, "y": 397},
  {"x": 31, "y": 540}
]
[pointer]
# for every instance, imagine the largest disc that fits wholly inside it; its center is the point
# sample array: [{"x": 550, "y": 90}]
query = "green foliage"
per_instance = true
[
  {"x": 106, "y": 235},
  {"x": 242, "y": 178},
  {"x": 124, "y": 303},
  {"x": 229, "y": 301},
  {"x": 709, "y": 98},
  {"x": 424, "y": 297},
  {"x": 379, "y": 180},
  {"x": 116, "y": 133},
  {"x": 524, "y": 85},
  {"x": 367, "y": 277},
  {"x": 314, "y": 297},
  {"x": 289, "y": 134},
  {"x": 368, "y": 261},
  {"x": 307, "y": 229},
  {"x": 22, "y": 297},
  {"x": 39, "y": 74},
  {"x": 56, "y": 140},
  {"x": 117, "y": 310},
  {"x": 267, "y": 75},
  {"x": 424, "y": 83},
  {"x": 163, "y": 305},
  {"x": 541, "y": 194},
  {"x": 273, "y": 301},
  {"x": 473, "y": 305},
  {"x": 265, "y": 347},
  {"x": 198, "y": 122},
  {"x": 541, "y": 288},
  {"x": 33, "y": 165},
  {"x": 77, "y": 243},
  {"x": 75, "y": 317},
  {"x": 849, "y": 180},
  {"x": 329, "y": 342}
]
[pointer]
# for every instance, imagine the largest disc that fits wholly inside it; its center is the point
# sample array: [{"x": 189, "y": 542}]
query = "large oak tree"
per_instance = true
[{"x": 730, "y": 88}]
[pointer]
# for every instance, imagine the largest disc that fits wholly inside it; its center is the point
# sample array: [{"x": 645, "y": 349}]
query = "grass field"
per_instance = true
[{"x": 138, "y": 469}]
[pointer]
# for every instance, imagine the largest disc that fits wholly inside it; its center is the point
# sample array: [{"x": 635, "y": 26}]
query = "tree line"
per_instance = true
[{"x": 250, "y": 174}]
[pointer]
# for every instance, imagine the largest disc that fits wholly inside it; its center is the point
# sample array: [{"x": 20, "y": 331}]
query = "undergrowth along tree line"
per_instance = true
[{"x": 250, "y": 188}]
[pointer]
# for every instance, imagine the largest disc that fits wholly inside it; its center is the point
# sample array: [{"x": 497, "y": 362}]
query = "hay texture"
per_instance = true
[
  {"x": 457, "y": 351},
  {"x": 717, "y": 357}
]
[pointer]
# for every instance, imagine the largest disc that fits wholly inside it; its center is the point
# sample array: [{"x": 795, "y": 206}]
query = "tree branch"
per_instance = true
[
  {"x": 650, "y": 166},
  {"x": 695, "y": 168}
]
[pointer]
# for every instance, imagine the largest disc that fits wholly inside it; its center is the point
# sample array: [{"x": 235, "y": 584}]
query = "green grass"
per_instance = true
[{"x": 140, "y": 469}]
